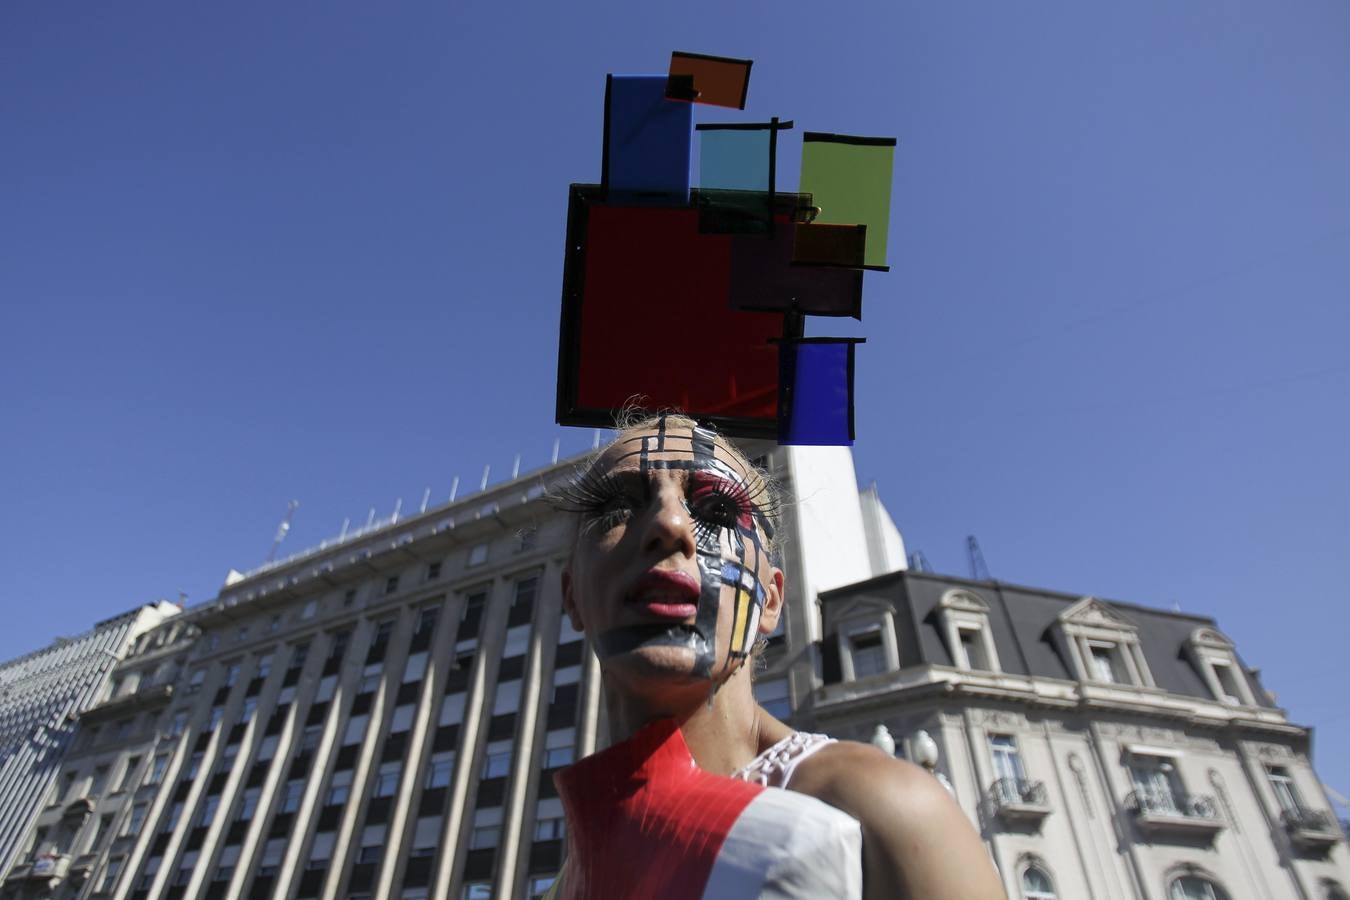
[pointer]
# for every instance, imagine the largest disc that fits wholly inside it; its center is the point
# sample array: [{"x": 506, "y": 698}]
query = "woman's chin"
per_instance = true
[{"x": 655, "y": 663}]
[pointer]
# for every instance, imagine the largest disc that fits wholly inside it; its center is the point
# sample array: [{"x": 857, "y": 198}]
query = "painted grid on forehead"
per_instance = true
[{"x": 716, "y": 569}]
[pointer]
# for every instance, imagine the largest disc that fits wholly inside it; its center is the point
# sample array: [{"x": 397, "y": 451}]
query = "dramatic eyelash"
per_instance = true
[{"x": 588, "y": 493}]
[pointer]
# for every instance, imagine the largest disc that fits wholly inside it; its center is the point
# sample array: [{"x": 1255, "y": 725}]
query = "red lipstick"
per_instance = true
[{"x": 666, "y": 593}]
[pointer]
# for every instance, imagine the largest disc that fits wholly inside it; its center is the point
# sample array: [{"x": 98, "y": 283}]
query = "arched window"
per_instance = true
[
  {"x": 1194, "y": 887},
  {"x": 1036, "y": 884}
]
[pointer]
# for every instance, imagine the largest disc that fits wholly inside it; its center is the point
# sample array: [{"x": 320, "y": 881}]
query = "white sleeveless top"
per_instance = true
[{"x": 774, "y": 767}]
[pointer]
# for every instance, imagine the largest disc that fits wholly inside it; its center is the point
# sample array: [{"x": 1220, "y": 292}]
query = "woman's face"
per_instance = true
[{"x": 670, "y": 574}]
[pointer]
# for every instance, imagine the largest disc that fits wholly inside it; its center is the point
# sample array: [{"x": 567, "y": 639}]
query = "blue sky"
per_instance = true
[{"x": 257, "y": 252}]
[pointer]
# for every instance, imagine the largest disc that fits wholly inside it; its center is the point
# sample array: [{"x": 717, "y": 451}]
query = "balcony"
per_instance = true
[
  {"x": 1019, "y": 800},
  {"x": 1311, "y": 829},
  {"x": 1177, "y": 814},
  {"x": 49, "y": 867}
]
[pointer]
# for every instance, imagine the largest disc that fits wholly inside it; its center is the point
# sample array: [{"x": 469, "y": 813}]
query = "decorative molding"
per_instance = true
[
  {"x": 966, "y": 601},
  {"x": 1080, "y": 778},
  {"x": 1095, "y": 613}
]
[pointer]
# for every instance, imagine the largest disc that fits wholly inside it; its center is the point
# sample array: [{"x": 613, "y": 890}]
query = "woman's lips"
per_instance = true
[{"x": 666, "y": 593}]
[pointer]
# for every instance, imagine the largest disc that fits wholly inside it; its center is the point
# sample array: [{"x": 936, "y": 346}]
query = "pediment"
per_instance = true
[
  {"x": 844, "y": 610},
  {"x": 1210, "y": 637},
  {"x": 1095, "y": 613},
  {"x": 965, "y": 601}
]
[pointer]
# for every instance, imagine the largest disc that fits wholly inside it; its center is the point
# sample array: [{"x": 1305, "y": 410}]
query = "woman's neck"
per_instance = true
[{"x": 723, "y": 732}]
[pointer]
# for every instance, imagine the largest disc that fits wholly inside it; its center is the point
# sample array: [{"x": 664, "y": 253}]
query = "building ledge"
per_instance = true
[
  {"x": 1017, "y": 800},
  {"x": 1311, "y": 829},
  {"x": 1187, "y": 814},
  {"x": 146, "y": 697}
]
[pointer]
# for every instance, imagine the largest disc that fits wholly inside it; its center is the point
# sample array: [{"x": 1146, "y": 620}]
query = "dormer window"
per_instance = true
[
  {"x": 1213, "y": 657},
  {"x": 867, "y": 647},
  {"x": 964, "y": 619},
  {"x": 1101, "y": 645},
  {"x": 868, "y": 653}
]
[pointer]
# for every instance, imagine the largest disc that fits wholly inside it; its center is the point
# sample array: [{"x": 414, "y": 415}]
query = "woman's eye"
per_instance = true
[
  {"x": 719, "y": 509},
  {"x": 614, "y": 511}
]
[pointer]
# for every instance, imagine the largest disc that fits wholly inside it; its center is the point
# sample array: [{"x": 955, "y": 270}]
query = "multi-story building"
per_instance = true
[
  {"x": 1104, "y": 750},
  {"x": 41, "y": 696},
  {"x": 380, "y": 717}
]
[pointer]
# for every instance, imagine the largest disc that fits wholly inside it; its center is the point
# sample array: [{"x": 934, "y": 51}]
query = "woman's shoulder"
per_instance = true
[{"x": 860, "y": 779}]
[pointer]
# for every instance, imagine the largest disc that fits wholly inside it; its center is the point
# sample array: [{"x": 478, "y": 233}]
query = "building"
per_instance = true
[
  {"x": 41, "y": 696},
  {"x": 1104, "y": 750},
  {"x": 380, "y": 717}
]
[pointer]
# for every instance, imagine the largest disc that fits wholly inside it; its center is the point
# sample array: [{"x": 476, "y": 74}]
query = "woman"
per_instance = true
[{"x": 672, "y": 580}]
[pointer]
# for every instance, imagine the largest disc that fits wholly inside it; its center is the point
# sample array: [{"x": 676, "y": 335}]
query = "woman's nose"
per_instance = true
[{"x": 670, "y": 528}]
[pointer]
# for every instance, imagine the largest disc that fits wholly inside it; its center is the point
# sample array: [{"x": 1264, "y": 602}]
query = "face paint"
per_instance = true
[{"x": 728, "y": 547}]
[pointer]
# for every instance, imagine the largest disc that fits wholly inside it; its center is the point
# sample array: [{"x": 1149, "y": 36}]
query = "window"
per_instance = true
[
  {"x": 386, "y": 780},
  {"x": 391, "y": 585},
  {"x": 1228, "y": 691},
  {"x": 100, "y": 831},
  {"x": 136, "y": 819},
  {"x": 148, "y": 873},
  {"x": 275, "y": 624},
  {"x": 310, "y": 608},
  {"x": 110, "y": 873},
  {"x": 370, "y": 678},
  {"x": 416, "y": 667},
  {"x": 195, "y": 682},
  {"x": 178, "y": 724},
  {"x": 270, "y": 863},
  {"x": 1285, "y": 791},
  {"x": 247, "y": 709},
  {"x": 231, "y": 675},
  {"x": 1103, "y": 662},
  {"x": 1155, "y": 785},
  {"x": 402, "y": 718},
  {"x": 497, "y": 760},
  {"x": 549, "y": 821},
  {"x": 507, "y": 699},
  {"x": 517, "y": 641},
  {"x": 349, "y": 597},
  {"x": 772, "y": 694},
  {"x": 124, "y": 781},
  {"x": 249, "y": 805},
  {"x": 194, "y": 765},
  {"x": 478, "y": 554},
  {"x": 209, "y": 807},
  {"x": 426, "y": 836},
  {"x": 372, "y": 844},
  {"x": 1008, "y": 768},
  {"x": 339, "y": 646},
  {"x": 356, "y": 730},
  {"x": 1194, "y": 887},
  {"x": 539, "y": 885},
  {"x": 321, "y": 851},
  {"x": 310, "y": 737},
  {"x": 1036, "y": 884},
  {"x": 964, "y": 617},
  {"x": 157, "y": 769},
  {"x": 267, "y": 748},
  {"x": 477, "y": 890},
  {"x": 867, "y": 652},
  {"x": 217, "y": 712},
  {"x": 299, "y": 654},
  {"x": 560, "y": 748},
  {"x": 972, "y": 645},
  {"x": 98, "y": 781},
  {"x": 186, "y": 864},
  {"x": 452, "y": 710},
  {"x": 225, "y": 863},
  {"x": 290, "y": 800},
  {"x": 175, "y": 813},
  {"x": 327, "y": 688},
  {"x": 242, "y": 634},
  {"x": 527, "y": 539},
  {"x": 439, "y": 769},
  {"x": 433, "y": 571},
  {"x": 340, "y": 787},
  {"x": 487, "y": 828},
  {"x": 264, "y": 666},
  {"x": 526, "y": 590}
]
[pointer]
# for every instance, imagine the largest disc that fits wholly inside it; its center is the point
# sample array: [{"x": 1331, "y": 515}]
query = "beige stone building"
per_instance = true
[{"x": 379, "y": 717}]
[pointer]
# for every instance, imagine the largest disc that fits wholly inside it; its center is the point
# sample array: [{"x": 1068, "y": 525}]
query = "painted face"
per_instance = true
[{"x": 671, "y": 567}]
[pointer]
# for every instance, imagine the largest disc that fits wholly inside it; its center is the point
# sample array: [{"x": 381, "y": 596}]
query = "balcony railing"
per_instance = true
[
  {"x": 1195, "y": 813},
  {"x": 1312, "y": 829},
  {"x": 1019, "y": 798}
]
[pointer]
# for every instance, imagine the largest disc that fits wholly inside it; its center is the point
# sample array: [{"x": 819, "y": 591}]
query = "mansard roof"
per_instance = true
[{"x": 1022, "y": 621}]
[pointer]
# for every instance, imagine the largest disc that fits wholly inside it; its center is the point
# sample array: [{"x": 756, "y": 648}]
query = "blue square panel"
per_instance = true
[
  {"x": 816, "y": 391},
  {"x": 647, "y": 140}
]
